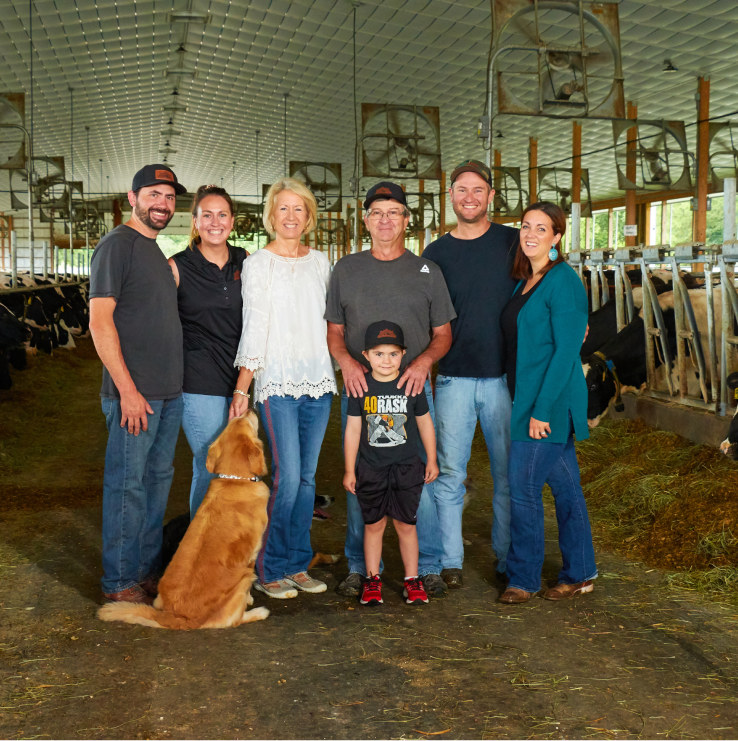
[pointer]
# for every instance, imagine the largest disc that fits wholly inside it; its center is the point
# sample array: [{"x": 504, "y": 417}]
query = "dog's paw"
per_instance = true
[
  {"x": 258, "y": 613},
  {"x": 249, "y": 599}
]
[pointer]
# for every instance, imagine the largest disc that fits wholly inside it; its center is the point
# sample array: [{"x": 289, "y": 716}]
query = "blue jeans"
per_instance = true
[
  {"x": 203, "y": 419},
  {"x": 295, "y": 430},
  {"x": 429, "y": 561},
  {"x": 460, "y": 402},
  {"x": 532, "y": 464},
  {"x": 138, "y": 474}
]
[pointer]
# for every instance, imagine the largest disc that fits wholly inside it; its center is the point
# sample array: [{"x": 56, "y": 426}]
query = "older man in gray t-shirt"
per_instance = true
[{"x": 389, "y": 283}]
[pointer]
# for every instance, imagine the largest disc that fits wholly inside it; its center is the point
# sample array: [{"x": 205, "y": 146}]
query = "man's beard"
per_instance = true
[
  {"x": 467, "y": 220},
  {"x": 144, "y": 217}
]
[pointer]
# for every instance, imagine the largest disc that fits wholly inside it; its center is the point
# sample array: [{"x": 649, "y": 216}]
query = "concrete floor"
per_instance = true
[{"x": 631, "y": 660}]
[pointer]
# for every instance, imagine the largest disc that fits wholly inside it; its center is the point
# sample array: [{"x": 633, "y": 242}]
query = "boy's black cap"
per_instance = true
[
  {"x": 155, "y": 174},
  {"x": 384, "y": 333},
  {"x": 383, "y": 191}
]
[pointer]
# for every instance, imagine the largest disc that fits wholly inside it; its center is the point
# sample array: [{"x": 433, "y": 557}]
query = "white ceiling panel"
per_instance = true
[{"x": 427, "y": 52}]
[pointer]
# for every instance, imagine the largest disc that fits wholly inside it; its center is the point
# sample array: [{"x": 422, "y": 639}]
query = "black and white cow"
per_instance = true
[
  {"x": 729, "y": 446},
  {"x": 620, "y": 363}
]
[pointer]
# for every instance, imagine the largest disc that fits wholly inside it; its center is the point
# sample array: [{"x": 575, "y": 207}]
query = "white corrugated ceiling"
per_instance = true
[{"x": 115, "y": 56}]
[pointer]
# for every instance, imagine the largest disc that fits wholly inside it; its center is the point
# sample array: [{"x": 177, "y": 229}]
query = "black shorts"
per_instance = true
[{"x": 390, "y": 490}]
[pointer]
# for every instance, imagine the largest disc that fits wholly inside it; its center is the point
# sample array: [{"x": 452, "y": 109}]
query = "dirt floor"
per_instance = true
[{"x": 635, "y": 659}]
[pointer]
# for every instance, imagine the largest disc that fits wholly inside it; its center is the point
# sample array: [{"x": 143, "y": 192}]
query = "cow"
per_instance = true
[
  {"x": 620, "y": 364},
  {"x": 13, "y": 336},
  {"x": 729, "y": 446}
]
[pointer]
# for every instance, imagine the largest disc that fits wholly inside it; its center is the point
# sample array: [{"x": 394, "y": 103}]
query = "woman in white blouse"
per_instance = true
[{"x": 284, "y": 349}]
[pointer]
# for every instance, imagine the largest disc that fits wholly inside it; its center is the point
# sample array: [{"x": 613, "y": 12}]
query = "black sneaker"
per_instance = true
[
  {"x": 434, "y": 585},
  {"x": 371, "y": 594},
  {"x": 351, "y": 585},
  {"x": 323, "y": 501},
  {"x": 453, "y": 578}
]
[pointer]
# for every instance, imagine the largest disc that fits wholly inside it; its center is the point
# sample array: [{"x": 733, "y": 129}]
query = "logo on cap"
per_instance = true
[
  {"x": 387, "y": 333},
  {"x": 164, "y": 175},
  {"x": 384, "y": 190}
]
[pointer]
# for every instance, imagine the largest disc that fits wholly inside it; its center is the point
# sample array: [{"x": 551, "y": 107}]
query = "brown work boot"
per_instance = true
[
  {"x": 514, "y": 596},
  {"x": 454, "y": 578},
  {"x": 567, "y": 591},
  {"x": 150, "y": 585},
  {"x": 132, "y": 594}
]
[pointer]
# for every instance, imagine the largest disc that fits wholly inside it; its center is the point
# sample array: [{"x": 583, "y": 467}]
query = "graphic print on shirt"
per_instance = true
[{"x": 386, "y": 417}]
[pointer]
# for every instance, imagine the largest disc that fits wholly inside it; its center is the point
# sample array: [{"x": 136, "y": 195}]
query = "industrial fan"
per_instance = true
[
  {"x": 48, "y": 187},
  {"x": 423, "y": 212},
  {"x": 12, "y": 140},
  {"x": 324, "y": 181},
  {"x": 401, "y": 141},
  {"x": 658, "y": 159},
  {"x": 554, "y": 184},
  {"x": 723, "y": 152},
  {"x": 508, "y": 198},
  {"x": 331, "y": 231},
  {"x": 558, "y": 58},
  {"x": 248, "y": 220}
]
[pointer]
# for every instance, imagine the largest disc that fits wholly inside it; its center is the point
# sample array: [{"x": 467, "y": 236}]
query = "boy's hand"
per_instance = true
[
  {"x": 431, "y": 471},
  {"x": 349, "y": 482}
]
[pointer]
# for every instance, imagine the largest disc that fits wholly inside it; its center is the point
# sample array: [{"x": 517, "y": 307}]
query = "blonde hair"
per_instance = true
[
  {"x": 299, "y": 189},
  {"x": 203, "y": 192}
]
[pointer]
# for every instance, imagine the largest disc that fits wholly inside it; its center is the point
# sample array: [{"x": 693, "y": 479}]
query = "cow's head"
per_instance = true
[
  {"x": 729, "y": 446},
  {"x": 602, "y": 388}
]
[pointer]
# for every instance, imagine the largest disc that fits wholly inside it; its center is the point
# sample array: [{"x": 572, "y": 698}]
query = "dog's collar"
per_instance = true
[{"x": 238, "y": 478}]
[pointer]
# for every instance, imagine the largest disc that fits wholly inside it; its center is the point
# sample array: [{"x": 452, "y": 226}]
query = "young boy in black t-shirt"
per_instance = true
[{"x": 383, "y": 428}]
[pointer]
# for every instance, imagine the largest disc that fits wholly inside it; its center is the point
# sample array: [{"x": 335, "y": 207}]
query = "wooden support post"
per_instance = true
[
  {"x": 533, "y": 171},
  {"x": 610, "y": 226},
  {"x": 497, "y": 180},
  {"x": 646, "y": 223},
  {"x": 117, "y": 213},
  {"x": 630, "y": 173},
  {"x": 576, "y": 185},
  {"x": 421, "y": 217},
  {"x": 588, "y": 234},
  {"x": 442, "y": 206},
  {"x": 703, "y": 158}
]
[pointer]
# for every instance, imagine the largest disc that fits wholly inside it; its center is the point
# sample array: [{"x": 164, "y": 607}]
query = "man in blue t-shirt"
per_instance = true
[{"x": 476, "y": 259}]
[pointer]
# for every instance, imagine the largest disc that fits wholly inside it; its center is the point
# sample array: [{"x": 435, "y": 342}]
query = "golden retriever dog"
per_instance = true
[{"x": 208, "y": 582}]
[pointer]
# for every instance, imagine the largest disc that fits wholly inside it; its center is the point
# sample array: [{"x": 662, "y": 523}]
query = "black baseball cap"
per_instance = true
[
  {"x": 383, "y": 191},
  {"x": 155, "y": 174},
  {"x": 384, "y": 333},
  {"x": 475, "y": 166}
]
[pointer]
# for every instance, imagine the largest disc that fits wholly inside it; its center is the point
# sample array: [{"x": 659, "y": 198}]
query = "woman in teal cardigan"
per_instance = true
[{"x": 544, "y": 326}]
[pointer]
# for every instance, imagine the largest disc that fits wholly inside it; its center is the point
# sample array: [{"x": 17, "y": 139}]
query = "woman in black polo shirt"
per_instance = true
[{"x": 208, "y": 276}]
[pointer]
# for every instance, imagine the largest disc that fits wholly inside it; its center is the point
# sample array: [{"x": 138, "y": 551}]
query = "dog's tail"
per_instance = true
[
  {"x": 131, "y": 612},
  {"x": 323, "y": 558}
]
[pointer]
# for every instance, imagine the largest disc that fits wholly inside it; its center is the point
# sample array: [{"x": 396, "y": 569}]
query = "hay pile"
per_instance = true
[{"x": 659, "y": 498}]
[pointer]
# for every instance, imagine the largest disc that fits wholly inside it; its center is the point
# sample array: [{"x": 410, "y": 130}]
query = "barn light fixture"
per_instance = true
[
  {"x": 181, "y": 49},
  {"x": 499, "y": 135},
  {"x": 669, "y": 67},
  {"x": 189, "y": 16}
]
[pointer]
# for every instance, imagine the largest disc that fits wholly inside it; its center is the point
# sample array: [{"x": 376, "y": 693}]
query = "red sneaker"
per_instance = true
[
  {"x": 371, "y": 593},
  {"x": 414, "y": 592}
]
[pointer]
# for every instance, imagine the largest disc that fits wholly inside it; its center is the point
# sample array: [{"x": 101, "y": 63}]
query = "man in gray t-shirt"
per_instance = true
[
  {"x": 137, "y": 334},
  {"x": 389, "y": 283}
]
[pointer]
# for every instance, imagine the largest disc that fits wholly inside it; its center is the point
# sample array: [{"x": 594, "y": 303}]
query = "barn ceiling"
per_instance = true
[{"x": 122, "y": 62}]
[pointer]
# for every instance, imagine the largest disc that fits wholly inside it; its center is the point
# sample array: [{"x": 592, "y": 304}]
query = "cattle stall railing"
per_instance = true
[
  {"x": 705, "y": 350},
  {"x": 56, "y": 264}
]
